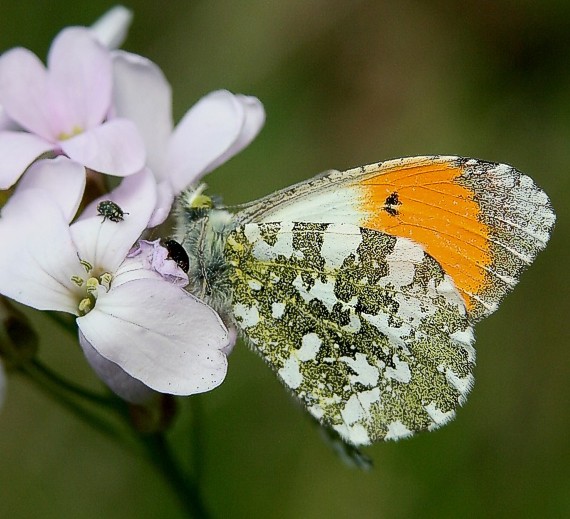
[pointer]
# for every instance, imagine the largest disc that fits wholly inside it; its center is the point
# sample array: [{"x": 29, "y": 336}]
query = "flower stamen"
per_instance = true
[
  {"x": 77, "y": 280},
  {"x": 63, "y": 136},
  {"x": 92, "y": 286},
  {"x": 85, "y": 305},
  {"x": 86, "y": 265},
  {"x": 105, "y": 280}
]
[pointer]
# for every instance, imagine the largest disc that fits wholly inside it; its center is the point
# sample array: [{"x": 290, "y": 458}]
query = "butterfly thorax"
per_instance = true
[{"x": 202, "y": 230}]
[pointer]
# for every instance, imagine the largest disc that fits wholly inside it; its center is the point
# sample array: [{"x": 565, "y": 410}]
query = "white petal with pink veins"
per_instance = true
[
  {"x": 24, "y": 92},
  {"x": 62, "y": 178},
  {"x": 38, "y": 256},
  {"x": 105, "y": 243},
  {"x": 80, "y": 80},
  {"x": 114, "y": 147},
  {"x": 160, "y": 335},
  {"x": 18, "y": 150},
  {"x": 137, "y": 81},
  {"x": 216, "y": 128},
  {"x": 127, "y": 387}
]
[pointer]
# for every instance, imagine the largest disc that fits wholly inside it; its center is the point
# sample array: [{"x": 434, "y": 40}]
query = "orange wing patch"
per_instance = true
[
  {"x": 484, "y": 222},
  {"x": 422, "y": 200}
]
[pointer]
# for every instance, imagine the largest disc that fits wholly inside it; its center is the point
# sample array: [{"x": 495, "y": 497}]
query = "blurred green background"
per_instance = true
[{"x": 344, "y": 83}]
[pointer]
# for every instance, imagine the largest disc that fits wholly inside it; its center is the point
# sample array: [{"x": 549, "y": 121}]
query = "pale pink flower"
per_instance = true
[
  {"x": 140, "y": 332},
  {"x": 111, "y": 28},
  {"x": 64, "y": 109},
  {"x": 215, "y": 129}
]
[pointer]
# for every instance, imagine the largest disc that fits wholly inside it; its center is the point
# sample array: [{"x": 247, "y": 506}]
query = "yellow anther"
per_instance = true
[
  {"x": 85, "y": 305},
  {"x": 86, "y": 265},
  {"x": 76, "y": 130},
  {"x": 106, "y": 279},
  {"x": 77, "y": 280},
  {"x": 92, "y": 286}
]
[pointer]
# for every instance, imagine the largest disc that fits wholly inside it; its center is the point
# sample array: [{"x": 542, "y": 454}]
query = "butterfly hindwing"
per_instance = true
[{"x": 365, "y": 328}]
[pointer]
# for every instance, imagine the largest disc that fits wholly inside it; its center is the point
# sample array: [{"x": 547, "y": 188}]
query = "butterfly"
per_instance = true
[{"x": 360, "y": 288}]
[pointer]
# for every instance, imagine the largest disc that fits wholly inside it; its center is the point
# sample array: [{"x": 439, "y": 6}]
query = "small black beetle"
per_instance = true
[
  {"x": 110, "y": 211},
  {"x": 177, "y": 253}
]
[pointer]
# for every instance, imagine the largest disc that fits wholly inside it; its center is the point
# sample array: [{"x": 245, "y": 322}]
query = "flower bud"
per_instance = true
[
  {"x": 18, "y": 340},
  {"x": 154, "y": 416}
]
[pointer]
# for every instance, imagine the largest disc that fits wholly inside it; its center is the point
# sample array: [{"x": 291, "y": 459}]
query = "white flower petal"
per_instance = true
[
  {"x": 114, "y": 147},
  {"x": 254, "y": 119},
  {"x": 106, "y": 243},
  {"x": 38, "y": 257},
  {"x": 151, "y": 255},
  {"x": 132, "y": 269},
  {"x": 127, "y": 387},
  {"x": 143, "y": 95},
  {"x": 62, "y": 178},
  {"x": 165, "y": 199},
  {"x": 80, "y": 81},
  {"x": 232, "y": 339},
  {"x": 160, "y": 335},
  {"x": 18, "y": 150},
  {"x": 111, "y": 29},
  {"x": 24, "y": 92},
  {"x": 217, "y": 127},
  {"x": 7, "y": 124}
]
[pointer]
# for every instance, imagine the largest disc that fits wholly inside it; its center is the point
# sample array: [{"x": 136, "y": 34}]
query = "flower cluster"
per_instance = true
[{"x": 95, "y": 111}]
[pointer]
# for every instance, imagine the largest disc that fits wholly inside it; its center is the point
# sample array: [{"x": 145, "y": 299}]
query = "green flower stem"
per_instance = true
[
  {"x": 184, "y": 487},
  {"x": 76, "y": 398},
  {"x": 65, "y": 321},
  {"x": 55, "y": 392},
  {"x": 69, "y": 394},
  {"x": 108, "y": 401},
  {"x": 197, "y": 436}
]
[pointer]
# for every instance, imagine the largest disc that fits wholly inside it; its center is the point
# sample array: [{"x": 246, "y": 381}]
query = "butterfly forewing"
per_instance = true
[
  {"x": 482, "y": 222},
  {"x": 365, "y": 328}
]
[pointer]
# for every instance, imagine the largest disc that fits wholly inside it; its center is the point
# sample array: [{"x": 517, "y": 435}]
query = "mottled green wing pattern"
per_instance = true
[{"x": 363, "y": 327}]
